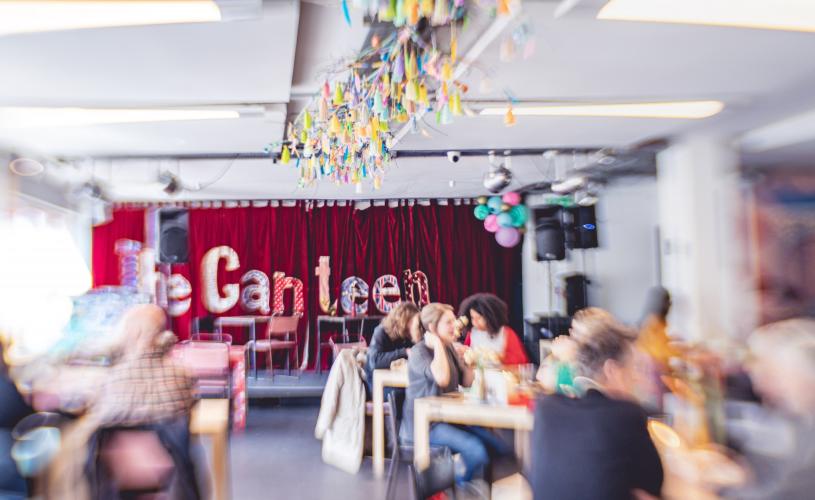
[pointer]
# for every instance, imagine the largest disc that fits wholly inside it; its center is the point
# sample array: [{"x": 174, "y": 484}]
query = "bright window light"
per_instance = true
[
  {"x": 789, "y": 15},
  {"x": 18, "y": 117},
  {"x": 41, "y": 268},
  {"x": 31, "y": 16},
  {"x": 688, "y": 110}
]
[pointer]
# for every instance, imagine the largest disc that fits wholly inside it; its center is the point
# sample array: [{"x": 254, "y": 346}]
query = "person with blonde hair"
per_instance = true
[{"x": 435, "y": 368}]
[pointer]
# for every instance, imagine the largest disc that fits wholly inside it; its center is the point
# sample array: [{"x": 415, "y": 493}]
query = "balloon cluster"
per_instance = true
[{"x": 503, "y": 215}]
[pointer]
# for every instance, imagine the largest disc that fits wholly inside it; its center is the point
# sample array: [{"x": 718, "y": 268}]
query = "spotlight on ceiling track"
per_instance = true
[
  {"x": 26, "y": 167},
  {"x": 568, "y": 185},
  {"x": 172, "y": 185},
  {"x": 499, "y": 176}
]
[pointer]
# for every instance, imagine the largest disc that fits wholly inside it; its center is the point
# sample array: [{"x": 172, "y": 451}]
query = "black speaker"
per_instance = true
[
  {"x": 549, "y": 238},
  {"x": 580, "y": 227},
  {"x": 577, "y": 293},
  {"x": 173, "y": 241}
]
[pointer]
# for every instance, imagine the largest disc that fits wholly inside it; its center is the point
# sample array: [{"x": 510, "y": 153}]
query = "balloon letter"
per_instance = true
[
  {"x": 354, "y": 298},
  {"x": 179, "y": 291},
  {"x": 128, "y": 252},
  {"x": 323, "y": 272},
  {"x": 386, "y": 293},
  {"x": 419, "y": 279},
  {"x": 255, "y": 294},
  {"x": 282, "y": 283},
  {"x": 209, "y": 277}
]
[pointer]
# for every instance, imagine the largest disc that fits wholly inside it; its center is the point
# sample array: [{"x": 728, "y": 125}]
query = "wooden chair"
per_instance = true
[
  {"x": 208, "y": 362},
  {"x": 281, "y": 335}
]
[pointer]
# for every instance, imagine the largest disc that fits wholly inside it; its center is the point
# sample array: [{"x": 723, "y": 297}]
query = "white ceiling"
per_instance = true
[{"x": 282, "y": 57}]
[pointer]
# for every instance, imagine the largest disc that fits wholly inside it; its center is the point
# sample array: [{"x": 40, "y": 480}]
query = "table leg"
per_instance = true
[
  {"x": 319, "y": 348},
  {"x": 379, "y": 428},
  {"x": 252, "y": 333},
  {"x": 421, "y": 436},
  {"x": 220, "y": 465}
]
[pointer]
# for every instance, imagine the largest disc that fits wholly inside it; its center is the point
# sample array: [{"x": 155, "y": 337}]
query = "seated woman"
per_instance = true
[
  {"x": 487, "y": 315},
  {"x": 604, "y": 431},
  {"x": 435, "y": 368},
  {"x": 392, "y": 339}
]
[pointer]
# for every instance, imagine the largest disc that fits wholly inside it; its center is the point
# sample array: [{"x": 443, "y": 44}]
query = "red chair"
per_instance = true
[
  {"x": 281, "y": 335},
  {"x": 208, "y": 362}
]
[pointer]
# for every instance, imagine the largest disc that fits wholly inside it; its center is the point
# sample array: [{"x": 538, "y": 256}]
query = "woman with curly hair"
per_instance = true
[{"x": 488, "y": 328}]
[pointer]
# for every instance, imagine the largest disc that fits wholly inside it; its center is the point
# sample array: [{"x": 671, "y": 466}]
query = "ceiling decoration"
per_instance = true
[{"x": 345, "y": 134}]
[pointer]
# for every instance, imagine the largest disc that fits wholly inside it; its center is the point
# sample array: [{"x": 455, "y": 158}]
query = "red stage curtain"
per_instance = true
[
  {"x": 127, "y": 223},
  {"x": 446, "y": 242}
]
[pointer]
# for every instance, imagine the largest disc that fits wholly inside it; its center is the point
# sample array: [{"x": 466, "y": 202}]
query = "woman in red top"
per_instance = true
[{"x": 487, "y": 315}]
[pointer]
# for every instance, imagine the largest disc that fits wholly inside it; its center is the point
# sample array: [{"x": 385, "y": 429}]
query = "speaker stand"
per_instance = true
[{"x": 551, "y": 289}]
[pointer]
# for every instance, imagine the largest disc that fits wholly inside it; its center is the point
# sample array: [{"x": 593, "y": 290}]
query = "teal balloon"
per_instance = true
[
  {"x": 481, "y": 212},
  {"x": 518, "y": 215},
  {"x": 504, "y": 219},
  {"x": 495, "y": 204}
]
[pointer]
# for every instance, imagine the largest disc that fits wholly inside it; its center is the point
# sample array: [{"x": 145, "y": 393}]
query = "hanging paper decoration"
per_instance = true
[
  {"x": 210, "y": 295},
  {"x": 354, "y": 296},
  {"x": 386, "y": 293},
  {"x": 509, "y": 117},
  {"x": 255, "y": 294},
  {"x": 396, "y": 79},
  {"x": 283, "y": 283},
  {"x": 418, "y": 279}
]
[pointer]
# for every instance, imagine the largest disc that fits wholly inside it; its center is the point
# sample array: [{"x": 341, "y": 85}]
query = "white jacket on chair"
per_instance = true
[{"x": 341, "y": 423}]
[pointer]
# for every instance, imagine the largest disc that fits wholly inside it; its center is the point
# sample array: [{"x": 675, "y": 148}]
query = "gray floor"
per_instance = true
[{"x": 277, "y": 457}]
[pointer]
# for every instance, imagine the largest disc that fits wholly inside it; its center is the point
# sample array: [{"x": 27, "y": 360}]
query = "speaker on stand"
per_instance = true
[
  {"x": 172, "y": 241},
  {"x": 550, "y": 246}
]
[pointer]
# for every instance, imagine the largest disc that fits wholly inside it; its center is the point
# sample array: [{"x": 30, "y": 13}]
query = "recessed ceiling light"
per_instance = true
[
  {"x": 789, "y": 15},
  {"x": 18, "y": 117},
  {"x": 688, "y": 110},
  {"x": 26, "y": 167},
  {"x": 31, "y": 16}
]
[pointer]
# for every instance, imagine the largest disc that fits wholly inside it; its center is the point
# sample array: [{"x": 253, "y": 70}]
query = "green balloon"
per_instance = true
[
  {"x": 518, "y": 215},
  {"x": 481, "y": 212}
]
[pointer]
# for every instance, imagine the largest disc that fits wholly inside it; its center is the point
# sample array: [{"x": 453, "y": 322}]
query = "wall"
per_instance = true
[{"x": 621, "y": 270}]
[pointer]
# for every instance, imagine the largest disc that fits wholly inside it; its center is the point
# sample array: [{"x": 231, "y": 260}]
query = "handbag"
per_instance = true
[{"x": 439, "y": 476}]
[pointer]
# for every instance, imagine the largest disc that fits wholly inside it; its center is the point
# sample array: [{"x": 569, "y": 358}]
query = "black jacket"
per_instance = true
[
  {"x": 382, "y": 352},
  {"x": 592, "y": 448}
]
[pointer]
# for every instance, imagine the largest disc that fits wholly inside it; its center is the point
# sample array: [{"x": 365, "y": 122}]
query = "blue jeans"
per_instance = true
[{"x": 474, "y": 444}]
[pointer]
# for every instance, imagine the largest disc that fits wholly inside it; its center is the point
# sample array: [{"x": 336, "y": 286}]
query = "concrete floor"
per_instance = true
[{"x": 278, "y": 457}]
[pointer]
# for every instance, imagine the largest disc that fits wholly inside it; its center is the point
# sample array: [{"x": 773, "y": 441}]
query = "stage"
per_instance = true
[{"x": 303, "y": 385}]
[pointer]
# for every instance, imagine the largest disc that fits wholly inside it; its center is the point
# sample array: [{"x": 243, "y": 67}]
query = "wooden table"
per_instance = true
[
  {"x": 456, "y": 409},
  {"x": 210, "y": 418},
  {"x": 382, "y": 379},
  {"x": 246, "y": 322}
]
